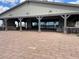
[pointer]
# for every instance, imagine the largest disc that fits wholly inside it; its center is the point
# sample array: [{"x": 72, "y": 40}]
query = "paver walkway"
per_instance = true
[{"x": 35, "y": 45}]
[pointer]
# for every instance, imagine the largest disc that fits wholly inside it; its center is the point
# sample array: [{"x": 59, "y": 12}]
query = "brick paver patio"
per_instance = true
[{"x": 35, "y": 45}]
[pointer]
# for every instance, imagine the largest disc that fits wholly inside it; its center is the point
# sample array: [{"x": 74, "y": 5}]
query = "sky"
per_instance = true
[{"x": 6, "y": 4}]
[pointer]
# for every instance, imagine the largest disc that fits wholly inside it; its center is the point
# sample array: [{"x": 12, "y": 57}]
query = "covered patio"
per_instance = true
[
  {"x": 42, "y": 16},
  {"x": 64, "y": 23}
]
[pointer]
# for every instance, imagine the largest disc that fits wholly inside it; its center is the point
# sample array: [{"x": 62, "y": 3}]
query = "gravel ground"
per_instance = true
[{"x": 35, "y": 45}]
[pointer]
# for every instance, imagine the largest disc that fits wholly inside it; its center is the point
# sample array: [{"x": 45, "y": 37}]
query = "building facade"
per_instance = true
[{"x": 39, "y": 16}]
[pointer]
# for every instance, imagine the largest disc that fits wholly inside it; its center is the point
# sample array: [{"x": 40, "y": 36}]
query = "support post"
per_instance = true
[
  {"x": 65, "y": 17},
  {"x": 45, "y": 24},
  {"x": 26, "y": 25},
  {"x": 20, "y": 19},
  {"x": 18, "y": 23},
  {"x": 65, "y": 24},
  {"x": 5, "y": 24},
  {"x": 29, "y": 24},
  {"x": 39, "y": 23}
]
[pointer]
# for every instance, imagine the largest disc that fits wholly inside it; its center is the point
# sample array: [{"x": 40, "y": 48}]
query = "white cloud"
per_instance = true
[
  {"x": 2, "y": 9},
  {"x": 22, "y": 0},
  {"x": 10, "y": 1},
  {"x": 76, "y": 2},
  {"x": 58, "y": 0},
  {"x": 50, "y": 0},
  {"x": 55, "y": 0}
]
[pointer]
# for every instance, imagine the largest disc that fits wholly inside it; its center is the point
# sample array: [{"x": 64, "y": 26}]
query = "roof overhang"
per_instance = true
[{"x": 47, "y": 5}]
